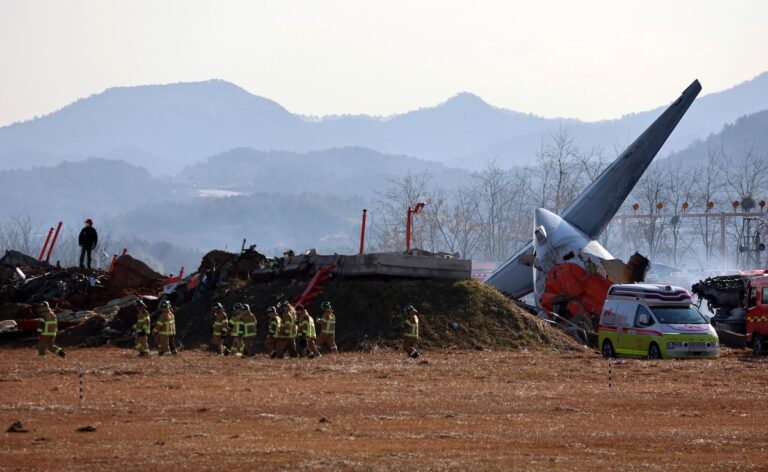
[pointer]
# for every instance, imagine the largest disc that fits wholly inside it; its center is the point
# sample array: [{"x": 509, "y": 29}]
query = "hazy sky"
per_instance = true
[{"x": 584, "y": 59}]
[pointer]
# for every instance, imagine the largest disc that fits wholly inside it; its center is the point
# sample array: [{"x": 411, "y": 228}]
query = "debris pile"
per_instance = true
[{"x": 98, "y": 308}]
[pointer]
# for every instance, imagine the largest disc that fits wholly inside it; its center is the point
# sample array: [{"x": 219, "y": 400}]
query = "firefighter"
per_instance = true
[
  {"x": 236, "y": 330},
  {"x": 307, "y": 334},
  {"x": 327, "y": 336},
  {"x": 273, "y": 330},
  {"x": 220, "y": 327},
  {"x": 172, "y": 325},
  {"x": 142, "y": 329},
  {"x": 249, "y": 324},
  {"x": 47, "y": 327},
  {"x": 411, "y": 331},
  {"x": 293, "y": 342},
  {"x": 283, "y": 340},
  {"x": 164, "y": 328}
]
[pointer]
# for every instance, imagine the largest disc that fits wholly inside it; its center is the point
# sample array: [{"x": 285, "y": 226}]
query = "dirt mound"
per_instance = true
[{"x": 460, "y": 314}]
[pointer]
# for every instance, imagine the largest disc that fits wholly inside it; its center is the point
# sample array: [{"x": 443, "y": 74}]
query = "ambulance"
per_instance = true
[{"x": 654, "y": 321}]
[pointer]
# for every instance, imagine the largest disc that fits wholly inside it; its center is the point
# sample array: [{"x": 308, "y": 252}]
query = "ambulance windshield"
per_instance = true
[{"x": 678, "y": 315}]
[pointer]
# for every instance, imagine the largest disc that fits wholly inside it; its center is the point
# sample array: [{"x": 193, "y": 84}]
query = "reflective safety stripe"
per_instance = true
[
  {"x": 166, "y": 328},
  {"x": 329, "y": 326},
  {"x": 50, "y": 327},
  {"x": 237, "y": 328},
  {"x": 274, "y": 328},
  {"x": 249, "y": 329},
  {"x": 411, "y": 329}
]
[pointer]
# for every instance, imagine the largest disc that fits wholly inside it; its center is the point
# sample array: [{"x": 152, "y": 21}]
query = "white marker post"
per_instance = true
[
  {"x": 610, "y": 374},
  {"x": 81, "y": 374}
]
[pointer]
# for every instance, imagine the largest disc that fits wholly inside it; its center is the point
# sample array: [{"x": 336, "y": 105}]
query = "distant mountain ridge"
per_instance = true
[{"x": 166, "y": 127}]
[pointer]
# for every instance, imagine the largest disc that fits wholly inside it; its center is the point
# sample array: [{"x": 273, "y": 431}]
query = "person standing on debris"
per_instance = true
[
  {"x": 249, "y": 331},
  {"x": 220, "y": 326},
  {"x": 327, "y": 336},
  {"x": 47, "y": 327},
  {"x": 273, "y": 330},
  {"x": 236, "y": 330},
  {"x": 141, "y": 329},
  {"x": 411, "y": 331},
  {"x": 307, "y": 334},
  {"x": 87, "y": 240},
  {"x": 164, "y": 328}
]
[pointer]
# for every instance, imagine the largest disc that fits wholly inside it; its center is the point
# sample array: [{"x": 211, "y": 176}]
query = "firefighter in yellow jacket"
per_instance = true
[
  {"x": 411, "y": 331},
  {"x": 273, "y": 331},
  {"x": 248, "y": 321},
  {"x": 307, "y": 334},
  {"x": 327, "y": 321},
  {"x": 220, "y": 328},
  {"x": 283, "y": 339},
  {"x": 165, "y": 328},
  {"x": 47, "y": 327},
  {"x": 142, "y": 329},
  {"x": 236, "y": 330}
]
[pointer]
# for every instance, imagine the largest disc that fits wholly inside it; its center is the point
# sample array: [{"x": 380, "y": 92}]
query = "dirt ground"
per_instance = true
[{"x": 449, "y": 410}]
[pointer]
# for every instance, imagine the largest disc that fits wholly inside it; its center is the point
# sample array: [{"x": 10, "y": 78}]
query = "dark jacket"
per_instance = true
[{"x": 88, "y": 237}]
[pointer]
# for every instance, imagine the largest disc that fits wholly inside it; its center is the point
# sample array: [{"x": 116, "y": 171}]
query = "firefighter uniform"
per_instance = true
[
  {"x": 141, "y": 330},
  {"x": 172, "y": 326},
  {"x": 273, "y": 330},
  {"x": 165, "y": 328},
  {"x": 220, "y": 327},
  {"x": 411, "y": 331},
  {"x": 283, "y": 338},
  {"x": 293, "y": 347},
  {"x": 327, "y": 336},
  {"x": 307, "y": 334},
  {"x": 248, "y": 321},
  {"x": 236, "y": 331},
  {"x": 47, "y": 327}
]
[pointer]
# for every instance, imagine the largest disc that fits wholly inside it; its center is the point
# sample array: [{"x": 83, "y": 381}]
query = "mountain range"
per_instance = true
[{"x": 167, "y": 127}]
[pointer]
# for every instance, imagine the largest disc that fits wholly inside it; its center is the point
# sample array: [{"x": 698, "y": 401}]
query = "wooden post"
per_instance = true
[{"x": 362, "y": 233}]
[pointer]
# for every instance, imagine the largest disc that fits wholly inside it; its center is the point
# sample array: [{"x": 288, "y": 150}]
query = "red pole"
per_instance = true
[
  {"x": 112, "y": 264},
  {"x": 408, "y": 230},
  {"x": 53, "y": 243},
  {"x": 181, "y": 272},
  {"x": 362, "y": 233},
  {"x": 45, "y": 245}
]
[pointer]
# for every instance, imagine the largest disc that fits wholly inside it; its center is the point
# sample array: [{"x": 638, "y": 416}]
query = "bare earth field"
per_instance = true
[{"x": 449, "y": 410}]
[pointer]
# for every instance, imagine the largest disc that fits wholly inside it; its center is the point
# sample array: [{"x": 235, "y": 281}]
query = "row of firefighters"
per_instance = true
[{"x": 290, "y": 330}]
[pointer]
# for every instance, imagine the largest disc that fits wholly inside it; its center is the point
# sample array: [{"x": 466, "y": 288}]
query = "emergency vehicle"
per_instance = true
[
  {"x": 654, "y": 321},
  {"x": 740, "y": 307}
]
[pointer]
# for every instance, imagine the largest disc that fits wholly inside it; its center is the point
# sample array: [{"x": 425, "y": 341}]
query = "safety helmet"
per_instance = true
[
  {"x": 45, "y": 305},
  {"x": 89, "y": 221},
  {"x": 218, "y": 306},
  {"x": 165, "y": 304},
  {"x": 237, "y": 306},
  {"x": 299, "y": 307},
  {"x": 245, "y": 306},
  {"x": 325, "y": 305},
  {"x": 410, "y": 308},
  {"x": 271, "y": 309},
  {"x": 140, "y": 302}
]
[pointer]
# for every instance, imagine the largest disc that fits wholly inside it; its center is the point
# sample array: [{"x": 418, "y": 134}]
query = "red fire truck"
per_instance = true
[{"x": 740, "y": 307}]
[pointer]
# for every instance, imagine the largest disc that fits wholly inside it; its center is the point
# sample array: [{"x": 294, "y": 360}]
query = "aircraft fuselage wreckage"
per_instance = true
[{"x": 566, "y": 268}]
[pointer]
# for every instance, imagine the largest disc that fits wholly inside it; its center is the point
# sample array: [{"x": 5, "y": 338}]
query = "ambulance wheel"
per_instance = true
[
  {"x": 654, "y": 352},
  {"x": 758, "y": 345},
  {"x": 608, "y": 351}
]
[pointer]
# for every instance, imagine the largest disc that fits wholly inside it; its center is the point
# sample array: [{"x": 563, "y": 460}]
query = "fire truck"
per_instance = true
[{"x": 740, "y": 307}]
